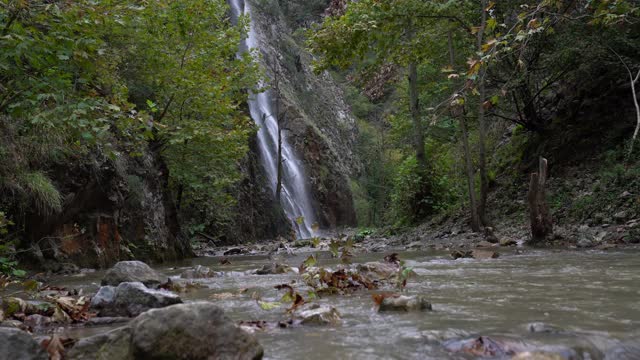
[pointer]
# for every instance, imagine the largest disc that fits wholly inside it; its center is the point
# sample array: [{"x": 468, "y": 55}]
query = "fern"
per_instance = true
[{"x": 41, "y": 190}]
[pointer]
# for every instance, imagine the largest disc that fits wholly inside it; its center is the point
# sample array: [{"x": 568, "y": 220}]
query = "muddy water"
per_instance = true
[{"x": 592, "y": 296}]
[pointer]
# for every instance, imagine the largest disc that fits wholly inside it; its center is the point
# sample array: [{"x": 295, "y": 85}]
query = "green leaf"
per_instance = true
[{"x": 266, "y": 305}]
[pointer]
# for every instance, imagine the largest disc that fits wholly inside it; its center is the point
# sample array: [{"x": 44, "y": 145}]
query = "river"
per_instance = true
[{"x": 591, "y": 297}]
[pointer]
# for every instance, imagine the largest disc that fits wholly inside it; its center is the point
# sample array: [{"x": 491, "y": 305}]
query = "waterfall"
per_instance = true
[{"x": 294, "y": 196}]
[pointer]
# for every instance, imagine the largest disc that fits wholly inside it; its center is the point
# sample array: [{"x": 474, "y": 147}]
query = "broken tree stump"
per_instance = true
[{"x": 540, "y": 215}]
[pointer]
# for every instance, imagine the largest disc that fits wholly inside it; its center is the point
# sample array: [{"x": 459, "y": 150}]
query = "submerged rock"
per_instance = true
[
  {"x": 487, "y": 346},
  {"x": 199, "y": 272},
  {"x": 273, "y": 269},
  {"x": 540, "y": 327},
  {"x": 18, "y": 345},
  {"x": 132, "y": 271},
  {"x": 319, "y": 315},
  {"x": 484, "y": 254},
  {"x": 195, "y": 331},
  {"x": 36, "y": 321},
  {"x": 112, "y": 345},
  {"x": 508, "y": 242},
  {"x": 405, "y": 303},
  {"x": 623, "y": 352},
  {"x": 130, "y": 299},
  {"x": 378, "y": 270},
  {"x": 461, "y": 254},
  {"x": 538, "y": 355}
]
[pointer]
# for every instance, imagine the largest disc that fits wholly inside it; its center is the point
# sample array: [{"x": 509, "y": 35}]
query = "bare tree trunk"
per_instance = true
[
  {"x": 415, "y": 116},
  {"x": 633, "y": 81},
  {"x": 475, "y": 218},
  {"x": 482, "y": 127},
  {"x": 539, "y": 213},
  {"x": 414, "y": 107}
]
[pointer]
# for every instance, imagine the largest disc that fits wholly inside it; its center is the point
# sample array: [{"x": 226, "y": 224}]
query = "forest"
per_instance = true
[{"x": 319, "y": 179}]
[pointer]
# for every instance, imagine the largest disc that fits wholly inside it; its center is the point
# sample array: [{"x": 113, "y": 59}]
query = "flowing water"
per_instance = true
[
  {"x": 295, "y": 196},
  {"x": 593, "y": 296}
]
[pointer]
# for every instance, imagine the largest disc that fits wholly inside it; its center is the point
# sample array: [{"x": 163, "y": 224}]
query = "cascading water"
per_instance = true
[{"x": 294, "y": 196}]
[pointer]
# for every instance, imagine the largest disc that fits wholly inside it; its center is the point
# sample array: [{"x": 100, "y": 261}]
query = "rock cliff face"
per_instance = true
[
  {"x": 112, "y": 211},
  {"x": 318, "y": 121}
]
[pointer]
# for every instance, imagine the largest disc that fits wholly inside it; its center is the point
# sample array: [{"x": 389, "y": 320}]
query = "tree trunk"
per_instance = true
[
  {"x": 482, "y": 127},
  {"x": 540, "y": 215},
  {"x": 475, "y": 219},
  {"x": 415, "y": 116},
  {"x": 414, "y": 106}
]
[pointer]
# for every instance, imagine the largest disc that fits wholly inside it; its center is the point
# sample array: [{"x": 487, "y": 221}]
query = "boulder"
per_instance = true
[
  {"x": 273, "y": 269},
  {"x": 405, "y": 303},
  {"x": 193, "y": 331},
  {"x": 14, "y": 324},
  {"x": 319, "y": 315},
  {"x": 130, "y": 299},
  {"x": 540, "y": 327},
  {"x": 378, "y": 270},
  {"x": 112, "y": 345},
  {"x": 484, "y": 254},
  {"x": 18, "y": 345},
  {"x": 132, "y": 271}
]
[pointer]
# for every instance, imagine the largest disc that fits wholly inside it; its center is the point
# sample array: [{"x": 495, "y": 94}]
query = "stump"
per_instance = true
[{"x": 540, "y": 215}]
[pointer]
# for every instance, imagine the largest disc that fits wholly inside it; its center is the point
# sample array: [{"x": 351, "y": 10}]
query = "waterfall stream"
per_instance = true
[{"x": 295, "y": 197}]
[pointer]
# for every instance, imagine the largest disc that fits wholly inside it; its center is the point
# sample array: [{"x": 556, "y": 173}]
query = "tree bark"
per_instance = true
[
  {"x": 475, "y": 218},
  {"x": 415, "y": 116},
  {"x": 414, "y": 106},
  {"x": 484, "y": 180},
  {"x": 539, "y": 213}
]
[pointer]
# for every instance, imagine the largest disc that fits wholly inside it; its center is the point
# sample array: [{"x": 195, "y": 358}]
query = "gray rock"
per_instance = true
[
  {"x": 132, "y": 271},
  {"x": 540, "y": 327},
  {"x": 508, "y": 242},
  {"x": 193, "y": 331},
  {"x": 319, "y": 315},
  {"x": 14, "y": 324},
  {"x": 405, "y": 303},
  {"x": 130, "y": 299},
  {"x": 273, "y": 269},
  {"x": 112, "y": 345},
  {"x": 18, "y": 345},
  {"x": 378, "y": 270},
  {"x": 623, "y": 352},
  {"x": 620, "y": 217},
  {"x": 37, "y": 321},
  {"x": 484, "y": 254},
  {"x": 198, "y": 272}
]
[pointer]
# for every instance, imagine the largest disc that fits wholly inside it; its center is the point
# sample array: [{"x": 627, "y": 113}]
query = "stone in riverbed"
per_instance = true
[
  {"x": 194, "y": 331},
  {"x": 461, "y": 254},
  {"x": 18, "y": 345},
  {"x": 538, "y": 355},
  {"x": 130, "y": 299},
  {"x": 319, "y": 315},
  {"x": 508, "y": 242},
  {"x": 628, "y": 351},
  {"x": 405, "y": 303},
  {"x": 273, "y": 269},
  {"x": 486, "y": 244},
  {"x": 132, "y": 271},
  {"x": 378, "y": 270},
  {"x": 36, "y": 321},
  {"x": 112, "y": 345},
  {"x": 198, "y": 272},
  {"x": 484, "y": 254}
]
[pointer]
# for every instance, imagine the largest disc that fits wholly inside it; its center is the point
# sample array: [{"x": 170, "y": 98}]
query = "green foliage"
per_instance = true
[
  {"x": 87, "y": 80},
  {"x": 40, "y": 188}
]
